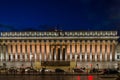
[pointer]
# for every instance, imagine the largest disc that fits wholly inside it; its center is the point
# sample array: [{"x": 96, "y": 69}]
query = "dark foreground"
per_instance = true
[{"x": 58, "y": 76}]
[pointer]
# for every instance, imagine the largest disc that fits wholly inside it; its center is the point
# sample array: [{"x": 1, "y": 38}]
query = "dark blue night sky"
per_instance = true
[{"x": 22, "y": 15}]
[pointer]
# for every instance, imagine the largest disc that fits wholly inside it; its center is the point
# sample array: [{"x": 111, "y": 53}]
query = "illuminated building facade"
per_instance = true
[{"x": 87, "y": 48}]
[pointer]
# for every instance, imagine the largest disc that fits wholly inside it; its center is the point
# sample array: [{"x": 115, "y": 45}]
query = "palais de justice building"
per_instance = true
[{"x": 85, "y": 48}]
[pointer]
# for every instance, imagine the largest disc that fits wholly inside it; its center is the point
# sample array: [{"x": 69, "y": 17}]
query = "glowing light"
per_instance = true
[
  {"x": 78, "y": 77},
  {"x": 90, "y": 77}
]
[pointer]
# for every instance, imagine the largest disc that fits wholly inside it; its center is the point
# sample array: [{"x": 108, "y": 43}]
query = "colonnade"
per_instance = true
[{"x": 50, "y": 50}]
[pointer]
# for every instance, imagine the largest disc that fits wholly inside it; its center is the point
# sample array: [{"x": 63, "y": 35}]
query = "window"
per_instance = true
[{"x": 118, "y": 56}]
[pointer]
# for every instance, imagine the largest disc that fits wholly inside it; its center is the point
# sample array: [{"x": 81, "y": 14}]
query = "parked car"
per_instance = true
[
  {"x": 78, "y": 70},
  {"x": 12, "y": 70},
  {"x": 110, "y": 71},
  {"x": 46, "y": 70},
  {"x": 30, "y": 70}
]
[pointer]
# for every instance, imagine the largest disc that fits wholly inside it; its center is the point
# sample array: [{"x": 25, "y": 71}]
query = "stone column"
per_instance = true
[
  {"x": 33, "y": 51},
  {"x": 0, "y": 53},
  {"x": 94, "y": 56},
  {"x": 35, "y": 54},
  {"x": 21, "y": 55},
  {"x": 55, "y": 48},
  {"x": 103, "y": 50},
  {"x": 40, "y": 53},
  {"x": 47, "y": 50},
  {"x": 8, "y": 50},
  {"x": 42, "y": 50},
  {"x": 7, "y": 55},
  {"x": 23, "y": 51},
  {"x": 38, "y": 50},
  {"x": 73, "y": 50},
  {"x": 68, "y": 50},
  {"x": 13, "y": 50},
  {"x": 60, "y": 52},
  {"x": 26, "y": 56},
  {"x": 4, "y": 52},
  {"x": 78, "y": 50},
  {"x": 28, "y": 51},
  {"x": 66, "y": 53},
  {"x": 63, "y": 53},
  {"x": 83, "y": 50},
  {"x": 91, "y": 51},
  {"x": 16, "y": 55},
  {"x": 18, "y": 50},
  {"x": 88, "y": 50},
  {"x": 112, "y": 54},
  {"x": 98, "y": 50},
  {"x": 51, "y": 55},
  {"x": 108, "y": 51},
  {"x": 56, "y": 56}
]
